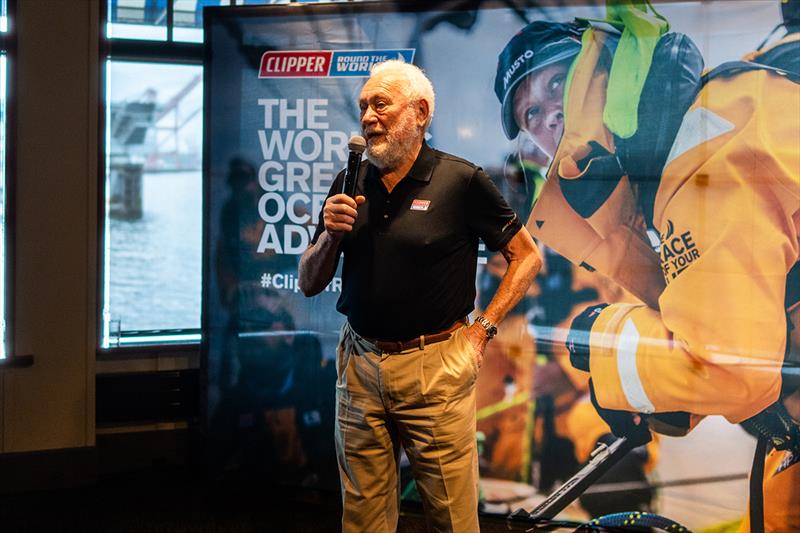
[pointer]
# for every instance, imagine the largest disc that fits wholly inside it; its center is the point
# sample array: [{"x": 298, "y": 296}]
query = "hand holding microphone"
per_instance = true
[{"x": 340, "y": 211}]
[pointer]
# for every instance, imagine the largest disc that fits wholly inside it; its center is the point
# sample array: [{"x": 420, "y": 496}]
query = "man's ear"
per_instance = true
[{"x": 423, "y": 111}]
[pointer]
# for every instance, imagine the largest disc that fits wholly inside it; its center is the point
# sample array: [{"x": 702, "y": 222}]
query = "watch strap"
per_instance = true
[{"x": 491, "y": 329}]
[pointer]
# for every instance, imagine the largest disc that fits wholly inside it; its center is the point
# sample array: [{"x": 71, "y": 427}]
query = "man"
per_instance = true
[
  {"x": 407, "y": 361},
  {"x": 711, "y": 337}
]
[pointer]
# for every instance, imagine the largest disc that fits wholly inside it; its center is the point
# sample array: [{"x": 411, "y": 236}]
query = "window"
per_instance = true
[
  {"x": 6, "y": 39},
  {"x": 152, "y": 226},
  {"x": 150, "y": 19},
  {"x": 138, "y": 19},
  {"x": 153, "y": 196}
]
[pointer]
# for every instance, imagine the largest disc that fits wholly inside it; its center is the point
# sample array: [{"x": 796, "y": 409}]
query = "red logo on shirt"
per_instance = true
[{"x": 420, "y": 205}]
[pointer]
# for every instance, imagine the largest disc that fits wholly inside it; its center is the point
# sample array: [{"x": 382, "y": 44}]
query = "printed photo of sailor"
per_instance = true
[{"x": 650, "y": 152}]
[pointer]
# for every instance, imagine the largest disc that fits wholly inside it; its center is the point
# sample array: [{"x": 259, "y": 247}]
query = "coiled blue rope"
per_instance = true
[{"x": 634, "y": 520}]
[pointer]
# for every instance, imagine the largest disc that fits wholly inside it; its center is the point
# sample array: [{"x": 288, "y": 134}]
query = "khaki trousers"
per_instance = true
[{"x": 422, "y": 400}]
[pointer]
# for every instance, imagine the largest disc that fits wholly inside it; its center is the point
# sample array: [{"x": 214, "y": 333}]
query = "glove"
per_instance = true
[
  {"x": 578, "y": 337},
  {"x": 622, "y": 423}
]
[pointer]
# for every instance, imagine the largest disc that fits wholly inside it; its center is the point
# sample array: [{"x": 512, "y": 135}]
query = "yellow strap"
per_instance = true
[{"x": 518, "y": 399}]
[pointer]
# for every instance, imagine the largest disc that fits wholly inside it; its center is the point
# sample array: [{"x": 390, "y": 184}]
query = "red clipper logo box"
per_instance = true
[
  {"x": 322, "y": 63},
  {"x": 305, "y": 64}
]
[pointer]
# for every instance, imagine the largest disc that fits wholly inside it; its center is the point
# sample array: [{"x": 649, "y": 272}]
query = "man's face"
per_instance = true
[
  {"x": 391, "y": 124},
  {"x": 539, "y": 106}
]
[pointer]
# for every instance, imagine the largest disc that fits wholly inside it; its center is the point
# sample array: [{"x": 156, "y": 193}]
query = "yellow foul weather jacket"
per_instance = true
[{"x": 711, "y": 335}]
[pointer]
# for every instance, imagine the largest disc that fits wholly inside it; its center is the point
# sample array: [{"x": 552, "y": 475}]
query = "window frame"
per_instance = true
[
  {"x": 159, "y": 51},
  {"x": 140, "y": 51},
  {"x": 8, "y": 46}
]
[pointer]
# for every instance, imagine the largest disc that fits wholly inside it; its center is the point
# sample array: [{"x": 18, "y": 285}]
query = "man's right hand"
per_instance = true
[
  {"x": 339, "y": 214},
  {"x": 318, "y": 263}
]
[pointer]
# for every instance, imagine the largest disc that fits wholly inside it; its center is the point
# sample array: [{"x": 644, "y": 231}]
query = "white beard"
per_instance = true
[{"x": 396, "y": 145}]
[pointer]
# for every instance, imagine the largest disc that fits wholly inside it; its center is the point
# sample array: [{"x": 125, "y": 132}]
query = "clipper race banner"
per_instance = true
[{"x": 602, "y": 137}]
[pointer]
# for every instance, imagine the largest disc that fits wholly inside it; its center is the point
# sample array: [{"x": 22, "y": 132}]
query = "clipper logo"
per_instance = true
[
  {"x": 420, "y": 205},
  {"x": 310, "y": 64},
  {"x": 677, "y": 252},
  {"x": 326, "y": 63}
]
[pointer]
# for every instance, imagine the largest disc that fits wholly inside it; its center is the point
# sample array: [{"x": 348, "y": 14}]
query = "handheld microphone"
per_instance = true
[{"x": 357, "y": 145}]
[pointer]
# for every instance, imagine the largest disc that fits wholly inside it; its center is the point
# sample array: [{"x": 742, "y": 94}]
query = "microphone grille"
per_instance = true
[{"x": 357, "y": 144}]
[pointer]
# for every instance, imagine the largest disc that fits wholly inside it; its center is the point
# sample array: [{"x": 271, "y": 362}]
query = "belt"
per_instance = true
[{"x": 416, "y": 342}]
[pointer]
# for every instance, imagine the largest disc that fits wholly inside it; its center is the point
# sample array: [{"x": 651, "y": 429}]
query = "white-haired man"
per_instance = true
[{"x": 407, "y": 361}]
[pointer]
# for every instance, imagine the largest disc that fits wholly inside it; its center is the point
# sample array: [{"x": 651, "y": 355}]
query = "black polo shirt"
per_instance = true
[{"x": 410, "y": 261}]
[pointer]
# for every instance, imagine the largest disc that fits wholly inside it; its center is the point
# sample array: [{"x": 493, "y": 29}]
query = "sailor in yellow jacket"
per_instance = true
[{"x": 720, "y": 196}]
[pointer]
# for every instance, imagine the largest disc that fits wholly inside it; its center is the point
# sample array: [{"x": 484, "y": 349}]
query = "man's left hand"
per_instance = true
[{"x": 476, "y": 335}]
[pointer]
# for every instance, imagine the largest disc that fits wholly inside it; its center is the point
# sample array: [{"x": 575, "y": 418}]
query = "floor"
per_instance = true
[{"x": 173, "y": 501}]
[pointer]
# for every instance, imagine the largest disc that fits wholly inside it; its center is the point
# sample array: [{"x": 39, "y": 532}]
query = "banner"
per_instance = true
[{"x": 281, "y": 91}]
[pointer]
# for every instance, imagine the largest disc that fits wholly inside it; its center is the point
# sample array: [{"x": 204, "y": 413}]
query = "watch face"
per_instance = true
[{"x": 491, "y": 329}]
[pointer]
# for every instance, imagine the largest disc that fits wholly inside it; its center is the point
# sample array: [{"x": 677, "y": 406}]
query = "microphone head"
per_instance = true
[{"x": 357, "y": 144}]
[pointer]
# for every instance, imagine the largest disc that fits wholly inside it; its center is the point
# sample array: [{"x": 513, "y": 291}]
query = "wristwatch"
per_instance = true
[{"x": 491, "y": 329}]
